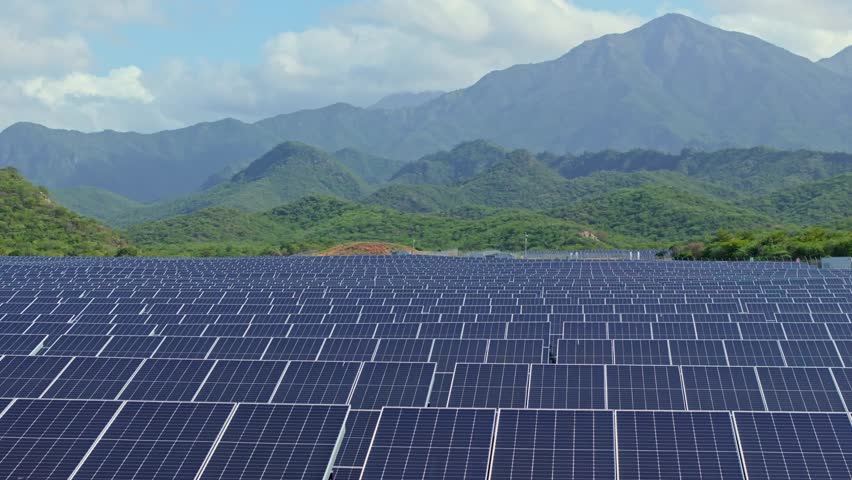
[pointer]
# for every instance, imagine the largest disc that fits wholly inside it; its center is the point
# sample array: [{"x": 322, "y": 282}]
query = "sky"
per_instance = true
[{"x": 149, "y": 65}]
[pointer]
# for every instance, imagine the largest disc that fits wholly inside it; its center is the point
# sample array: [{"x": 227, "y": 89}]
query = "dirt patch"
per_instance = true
[{"x": 364, "y": 248}]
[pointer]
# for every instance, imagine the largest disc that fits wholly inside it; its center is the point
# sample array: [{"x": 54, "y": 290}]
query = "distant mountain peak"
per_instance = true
[
  {"x": 280, "y": 156},
  {"x": 840, "y": 63},
  {"x": 405, "y": 100}
]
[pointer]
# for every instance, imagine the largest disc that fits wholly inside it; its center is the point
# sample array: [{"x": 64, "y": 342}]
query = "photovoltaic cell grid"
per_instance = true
[{"x": 270, "y": 368}]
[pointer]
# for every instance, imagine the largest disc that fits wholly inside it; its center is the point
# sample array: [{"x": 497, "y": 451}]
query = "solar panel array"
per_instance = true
[{"x": 423, "y": 368}]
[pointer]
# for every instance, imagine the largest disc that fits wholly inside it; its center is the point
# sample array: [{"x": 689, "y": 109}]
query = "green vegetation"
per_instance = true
[
  {"x": 316, "y": 222},
  {"x": 32, "y": 224},
  {"x": 95, "y": 202},
  {"x": 770, "y": 245}
]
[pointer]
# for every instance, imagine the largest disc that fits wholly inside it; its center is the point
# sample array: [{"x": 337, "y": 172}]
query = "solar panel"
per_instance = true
[
  {"x": 22, "y": 376},
  {"x": 360, "y": 426},
  {"x": 293, "y": 349},
  {"x": 799, "y": 390},
  {"x": 404, "y": 350},
  {"x": 236, "y": 348},
  {"x": 48, "y": 438},
  {"x": 317, "y": 382},
  {"x": 644, "y": 388},
  {"x": 446, "y": 353},
  {"x": 156, "y": 440},
  {"x": 515, "y": 351},
  {"x": 553, "y": 444},
  {"x": 682, "y": 445},
  {"x": 589, "y": 352},
  {"x": 184, "y": 347},
  {"x": 641, "y": 352},
  {"x": 241, "y": 381},
  {"x": 698, "y": 352},
  {"x": 93, "y": 378},
  {"x": 392, "y": 385},
  {"x": 162, "y": 379},
  {"x": 440, "y": 393},
  {"x": 747, "y": 353},
  {"x": 813, "y": 353},
  {"x": 722, "y": 388},
  {"x": 489, "y": 386},
  {"x": 567, "y": 387},
  {"x": 795, "y": 445},
  {"x": 424, "y": 443},
  {"x": 278, "y": 441},
  {"x": 348, "y": 349}
]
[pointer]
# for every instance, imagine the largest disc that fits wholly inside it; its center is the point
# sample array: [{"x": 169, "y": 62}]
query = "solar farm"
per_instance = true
[{"x": 417, "y": 367}]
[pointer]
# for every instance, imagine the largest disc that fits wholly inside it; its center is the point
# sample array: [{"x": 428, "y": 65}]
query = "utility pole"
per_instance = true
[{"x": 526, "y": 244}]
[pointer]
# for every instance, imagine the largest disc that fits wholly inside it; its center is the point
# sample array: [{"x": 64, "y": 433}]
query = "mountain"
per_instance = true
[
  {"x": 373, "y": 169},
  {"x": 405, "y": 100},
  {"x": 840, "y": 63},
  {"x": 670, "y": 84},
  {"x": 288, "y": 172},
  {"x": 32, "y": 224},
  {"x": 318, "y": 222},
  {"x": 94, "y": 202},
  {"x": 461, "y": 163},
  {"x": 825, "y": 202},
  {"x": 662, "y": 214}
]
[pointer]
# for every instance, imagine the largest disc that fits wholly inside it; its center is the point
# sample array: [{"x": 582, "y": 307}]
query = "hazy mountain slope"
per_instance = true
[
  {"x": 141, "y": 167},
  {"x": 461, "y": 163},
  {"x": 669, "y": 84},
  {"x": 840, "y": 63},
  {"x": 94, "y": 202},
  {"x": 405, "y": 100},
  {"x": 373, "y": 169},
  {"x": 32, "y": 224},
  {"x": 288, "y": 172}
]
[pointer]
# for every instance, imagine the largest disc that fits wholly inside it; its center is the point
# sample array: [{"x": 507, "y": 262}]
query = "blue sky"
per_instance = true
[{"x": 147, "y": 65}]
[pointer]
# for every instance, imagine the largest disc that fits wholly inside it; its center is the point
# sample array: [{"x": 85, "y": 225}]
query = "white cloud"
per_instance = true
[
  {"x": 120, "y": 84},
  {"x": 812, "y": 28},
  {"x": 48, "y": 53}
]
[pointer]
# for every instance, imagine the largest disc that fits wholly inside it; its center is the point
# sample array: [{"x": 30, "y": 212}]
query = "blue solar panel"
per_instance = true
[
  {"x": 48, "y": 438},
  {"x": 235, "y": 348},
  {"x": 446, "y": 353},
  {"x": 348, "y": 349},
  {"x": 278, "y": 441},
  {"x": 184, "y": 347},
  {"x": 156, "y": 440},
  {"x": 93, "y": 378},
  {"x": 440, "y": 393},
  {"x": 811, "y": 353},
  {"x": 567, "y": 387},
  {"x": 293, "y": 349},
  {"x": 644, "y": 388},
  {"x": 554, "y": 444},
  {"x": 404, "y": 350},
  {"x": 747, "y": 353},
  {"x": 241, "y": 381},
  {"x": 722, "y": 388},
  {"x": 489, "y": 386},
  {"x": 698, "y": 352},
  {"x": 799, "y": 390},
  {"x": 317, "y": 382},
  {"x": 161, "y": 379},
  {"x": 29, "y": 376},
  {"x": 515, "y": 351},
  {"x": 360, "y": 426},
  {"x": 641, "y": 352},
  {"x": 431, "y": 444},
  {"x": 136, "y": 346},
  {"x": 795, "y": 445},
  {"x": 589, "y": 352},
  {"x": 682, "y": 445},
  {"x": 392, "y": 385}
]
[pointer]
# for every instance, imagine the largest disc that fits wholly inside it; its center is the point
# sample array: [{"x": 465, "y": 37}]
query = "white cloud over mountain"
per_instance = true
[{"x": 362, "y": 51}]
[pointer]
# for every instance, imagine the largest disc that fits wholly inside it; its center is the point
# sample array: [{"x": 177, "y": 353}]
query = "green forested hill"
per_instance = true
[
  {"x": 318, "y": 222},
  {"x": 32, "y": 224},
  {"x": 288, "y": 172}
]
